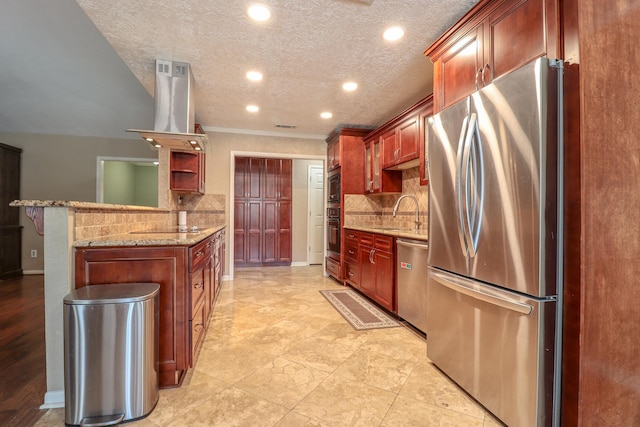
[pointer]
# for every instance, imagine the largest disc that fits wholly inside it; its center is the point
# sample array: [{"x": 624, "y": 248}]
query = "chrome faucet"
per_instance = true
[{"x": 395, "y": 208}]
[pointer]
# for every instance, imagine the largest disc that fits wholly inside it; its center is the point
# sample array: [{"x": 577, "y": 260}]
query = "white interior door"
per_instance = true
[{"x": 316, "y": 215}]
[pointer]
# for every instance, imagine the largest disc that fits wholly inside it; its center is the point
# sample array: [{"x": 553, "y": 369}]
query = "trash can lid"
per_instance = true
[{"x": 114, "y": 293}]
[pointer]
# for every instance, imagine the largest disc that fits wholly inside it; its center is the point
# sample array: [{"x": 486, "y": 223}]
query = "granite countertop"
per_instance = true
[
  {"x": 150, "y": 238},
  {"x": 81, "y": 205},
  {"x": 421, "y": 234}
]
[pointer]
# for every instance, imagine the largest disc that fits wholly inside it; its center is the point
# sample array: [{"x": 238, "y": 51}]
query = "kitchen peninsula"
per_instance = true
[{"x": 92, "y": 243}]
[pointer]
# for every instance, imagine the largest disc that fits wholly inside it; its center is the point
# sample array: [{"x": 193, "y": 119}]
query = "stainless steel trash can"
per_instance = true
[{"x": 111, "y": 350}]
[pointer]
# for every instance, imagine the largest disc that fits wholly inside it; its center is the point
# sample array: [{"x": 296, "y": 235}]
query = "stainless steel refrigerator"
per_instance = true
[{"x": 494, "y": 277}]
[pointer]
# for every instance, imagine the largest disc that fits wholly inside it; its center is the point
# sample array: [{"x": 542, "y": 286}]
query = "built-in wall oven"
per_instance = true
[
  {"x": 333, "y": 232},
  {"x": 333, "y": 187}
]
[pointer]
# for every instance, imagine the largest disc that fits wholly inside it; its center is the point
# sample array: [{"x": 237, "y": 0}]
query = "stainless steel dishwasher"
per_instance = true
[{"x": 411, "y": 265}]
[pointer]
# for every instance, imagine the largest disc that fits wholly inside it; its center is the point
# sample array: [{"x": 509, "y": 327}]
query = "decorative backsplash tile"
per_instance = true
[
  {"x": 377, "y": 210},
  {"x": 204, "y": 211}
]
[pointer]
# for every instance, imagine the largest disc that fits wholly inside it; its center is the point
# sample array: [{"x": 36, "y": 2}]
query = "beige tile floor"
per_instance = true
[{"x": 277, "y": 354}]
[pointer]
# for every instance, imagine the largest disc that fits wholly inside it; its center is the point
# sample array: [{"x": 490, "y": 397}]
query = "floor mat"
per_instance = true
[{"x": 359, "y": 312}]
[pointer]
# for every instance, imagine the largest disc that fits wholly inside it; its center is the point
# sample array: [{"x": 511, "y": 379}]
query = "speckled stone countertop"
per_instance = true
[
  {"x": 150, "y": 238},
  {"x": 82, "y": 205},
  {"x": 395, "y": 232}
]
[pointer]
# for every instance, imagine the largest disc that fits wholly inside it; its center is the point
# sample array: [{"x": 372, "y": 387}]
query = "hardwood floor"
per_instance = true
[{"x": 22, "y": 350}]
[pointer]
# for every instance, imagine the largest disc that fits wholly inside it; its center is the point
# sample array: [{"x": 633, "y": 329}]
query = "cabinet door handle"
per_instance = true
[
  {"x": 198, "y": 285},
  {"x": 198, "y": 327},
  {"x": 486, "y": 67},
  {"x": 478, "y": 75},
  {"x": 351, "y": 252},
  {"x": 371, "y": 253},
  {"x": 350, "y": 273}
]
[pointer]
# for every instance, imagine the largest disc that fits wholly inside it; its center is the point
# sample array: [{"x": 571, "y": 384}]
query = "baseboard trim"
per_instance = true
[
  {"x": 31, "y": 272},
  {"x": 53, "y": 399},
  {"x": 299, "y": 264}
]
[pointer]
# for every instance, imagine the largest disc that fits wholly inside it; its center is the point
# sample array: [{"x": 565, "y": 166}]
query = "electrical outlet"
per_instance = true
[{"x": 34, "y": 253}]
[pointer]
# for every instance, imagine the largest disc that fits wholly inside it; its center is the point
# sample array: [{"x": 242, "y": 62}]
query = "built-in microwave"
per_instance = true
[{"x": 333, "y": 188}]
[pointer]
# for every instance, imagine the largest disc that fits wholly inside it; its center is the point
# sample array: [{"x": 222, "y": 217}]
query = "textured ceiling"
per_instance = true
[
  {"x": 86, "y": 67},
  {"x": 306, "y": 51}
]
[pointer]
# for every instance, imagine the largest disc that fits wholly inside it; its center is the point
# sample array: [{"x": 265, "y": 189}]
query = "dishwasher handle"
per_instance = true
[{"x": 412, "y": 244}]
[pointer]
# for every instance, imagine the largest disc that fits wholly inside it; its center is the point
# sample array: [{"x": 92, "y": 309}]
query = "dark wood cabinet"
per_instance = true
[
  {"x": 10, "y": 229},
  {"x": 377, "y": 179},
  {"x": 333, "y": 154},
  {"x": 346, "y": 145},
  {"x": 370, "y": 267},
  {"x": 262, "y": 211},
  {"x": 167, "y": 266},
  {"x": 492, "y": 39},
  {"x": 189, "y": 279},
  {"x": 187, "y": 172},
  {"x": 401, "y": 143}
]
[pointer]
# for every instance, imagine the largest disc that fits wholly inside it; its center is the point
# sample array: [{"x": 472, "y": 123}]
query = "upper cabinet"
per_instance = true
[
  {"x": 187, "y": 172},
  {"x": 492, "y": 39},
  {"x": 333, "y": 154},
  {"x": 345, "y": 152},
  {"x": 396, "y": 145}
]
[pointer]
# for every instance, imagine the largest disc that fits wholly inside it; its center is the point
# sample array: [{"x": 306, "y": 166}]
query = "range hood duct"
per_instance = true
[{"x": 174, "y": 124}]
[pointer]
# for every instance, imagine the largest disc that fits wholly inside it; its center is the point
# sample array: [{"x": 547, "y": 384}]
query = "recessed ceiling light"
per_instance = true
[
  {"x": 259, "y": 12},
  {"x": 253, "y": 108},
  {"x": 393, "y": 34},
  {"x": 149, "y": 139},
  {"x": 254, "y": 76},
  {"x": 350, "y": 86},
  {"x": 326, "y": 115}
]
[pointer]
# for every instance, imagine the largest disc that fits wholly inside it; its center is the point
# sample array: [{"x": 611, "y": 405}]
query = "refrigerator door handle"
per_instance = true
[
  {"x": 464, "y": 287},
  {"x": 466, "y": 184},
  {"x": 475, "y": 189},
  {"x": 460, "y": 200}
]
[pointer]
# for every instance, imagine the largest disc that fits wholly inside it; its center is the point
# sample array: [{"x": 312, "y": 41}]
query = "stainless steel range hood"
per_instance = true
[{"x": 174, "y": 119}]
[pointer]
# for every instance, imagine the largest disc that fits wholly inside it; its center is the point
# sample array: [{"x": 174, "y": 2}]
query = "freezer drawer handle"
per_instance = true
[{"x": 473, "y": 293}]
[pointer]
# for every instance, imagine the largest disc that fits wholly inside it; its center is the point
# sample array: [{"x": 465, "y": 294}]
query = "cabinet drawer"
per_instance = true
[
  {"x": 383, "y": 243},
  {"x": 198, "y": 326},
  {"x": 351, "y": 250},
  {"x": 197, "y": 289},
  {"x": 199, "y": 253},
  {"x": 333, "y": 267},
  {"x": 351, "y": 235},
  {"x": 352, "y": 273},
  {"x": 366, "y": 239}
]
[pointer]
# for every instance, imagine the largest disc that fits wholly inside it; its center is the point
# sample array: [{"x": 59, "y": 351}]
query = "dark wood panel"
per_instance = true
[
  {"x": 9, "y": 184},
  {"x": 269, "y": 231},
  {"x": 284, "y": 232},
  {"x": 165, "y": 266},
  {"x": 459, "y": 68},
  {"x": 610, "y": 124},
  {"x": 572, "y": 293},
  {"x": 285, "y": 179},
  {"x": 516, "y": 34},
  {"x": 254, "y": 230},
  {"x": 271, "y": 179},
  {"x": 384, "y": 279},
  {"x": 10, "y": 251}
]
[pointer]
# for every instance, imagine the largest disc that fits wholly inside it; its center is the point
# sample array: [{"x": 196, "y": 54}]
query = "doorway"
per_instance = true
[
  {"x": 300, "y": 210},
  {"x": 315, "y": 226},
  {"x": 127, "y": 181}
]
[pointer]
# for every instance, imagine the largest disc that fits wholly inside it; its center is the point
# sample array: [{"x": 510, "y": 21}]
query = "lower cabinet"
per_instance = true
[
  {"x": 372, "y": 272},
  {"x": 189, "y": 284}
]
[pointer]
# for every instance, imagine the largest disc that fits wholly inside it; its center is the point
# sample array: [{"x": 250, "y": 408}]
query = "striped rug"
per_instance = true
[{"x": 359, "y": 312}]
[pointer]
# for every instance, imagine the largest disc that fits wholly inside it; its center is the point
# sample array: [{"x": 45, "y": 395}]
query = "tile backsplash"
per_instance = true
[
  {"x": 376, "y": 210},
  {"x": 203, "y": 211}
]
